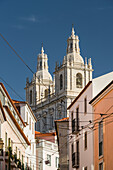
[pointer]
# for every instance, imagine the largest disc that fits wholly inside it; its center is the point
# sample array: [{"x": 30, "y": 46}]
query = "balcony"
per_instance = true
[
  {"x": 27, "y": 167},
  {"x": 14, "y": 161},
  {"x": 13, "y": 164},
  {"x": 1, "y": 150},
  {"x": 75, "y": 126},
  {"x": 75, "y": 160},
  {"x": 19, "y": 164},
  {"x": 22, "y": 168}
]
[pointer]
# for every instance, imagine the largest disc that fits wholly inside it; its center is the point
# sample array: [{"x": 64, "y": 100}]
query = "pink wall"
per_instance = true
[{"x": 105, "y": 105}]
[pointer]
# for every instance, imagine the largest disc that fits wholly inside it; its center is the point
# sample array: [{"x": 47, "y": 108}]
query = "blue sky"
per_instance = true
[{"x": 26, "y": 24}]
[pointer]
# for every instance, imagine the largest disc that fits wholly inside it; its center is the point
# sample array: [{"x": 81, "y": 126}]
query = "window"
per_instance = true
[
  {"x": 22, "y": 159},
  {"x": 40, "y": 64},
  {"x": 61, "y": 82},
  {"x": 5, "y": 140},
  {"x": 29, "y": 123},
  {"x": 71, "y": 45},
  {"x": 27, "y": 160},
  {"x": 33, "y": 149},
  {"x": 27, "y": 117},
  {"x": 30, "y": 96},
  {"x": 18, "y": 108},
  {"x": 100, "y": 138},
  {"x": 9, "y": 105},
  {"x": 49, "y": 159},
  {"x": 16, "y": 150},
  {"x": 101, "y": 166},
  {"x": 77, "y": 119},
  {"x": 12, "y": 145},
  {"x": 9, "y": 142},
  {"x": 85, "y": 105},
  {"x": 32, "y": 128},
  {"x": 6, "y": 167},
  {"x": 75, "y": 46},
  {"x": 51, "y": 120},
  {"x": 14, "y": 114},
  {"x": 79, "y": 80},
  {"x": 19, "y": 154},
  {"x": 85, "y": 141},
  {"x": 44, "y": 65},
  {"x": 45, "y": 123},
  {"x": 85, "y": 168},
  {"x": 72, "y": 116},
  {"x": 77, "y": 154},
  {"x": 77, "y": 146},
  {"x": 57, "y": 162},
  {"x": 72, "y": 148},
  {"x": 46, "y": 92},
  {"x": 2, "y": 97},
  {"x": 30, "y": 144}
]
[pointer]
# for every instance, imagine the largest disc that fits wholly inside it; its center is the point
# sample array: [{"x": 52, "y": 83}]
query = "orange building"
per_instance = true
[{"x": 103, "y": 128}]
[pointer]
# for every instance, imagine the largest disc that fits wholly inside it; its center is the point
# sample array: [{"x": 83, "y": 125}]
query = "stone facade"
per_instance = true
[{"x": 49, "y": 98}]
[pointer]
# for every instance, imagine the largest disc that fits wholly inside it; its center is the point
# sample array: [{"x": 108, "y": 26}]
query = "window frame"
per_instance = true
[
  {"x": 61, "y": 81},
  {"x": 79, "y": 82},
  {"x": 85, "y": 105},
  {"x": 49, "y": 159},
  {"x": 100, "y": 138},
  {"x": 31, "y": 96},
  {"x": 85, "y": 141}
]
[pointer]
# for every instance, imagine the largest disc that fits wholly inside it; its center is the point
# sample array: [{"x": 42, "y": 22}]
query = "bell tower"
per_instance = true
[
  {"x": 42, "y": 61},
  {"x": 73, "y": 43},
  {"x": 74, "y": 73}
]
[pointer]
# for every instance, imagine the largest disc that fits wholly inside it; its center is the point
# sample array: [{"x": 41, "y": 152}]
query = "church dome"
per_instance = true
[
  {"x": 79, "y": 59},
  {"x": 44, "y": 74}
]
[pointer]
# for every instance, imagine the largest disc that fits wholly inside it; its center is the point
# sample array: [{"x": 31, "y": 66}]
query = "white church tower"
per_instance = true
[
  {"x": 49, "y": 99},
  {"x": 73, "y": 74}
]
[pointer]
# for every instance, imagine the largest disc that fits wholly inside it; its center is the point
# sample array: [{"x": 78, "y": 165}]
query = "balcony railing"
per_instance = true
[
  {"x": 75, "y": 160},
  {"x": 75, "y": 126}
]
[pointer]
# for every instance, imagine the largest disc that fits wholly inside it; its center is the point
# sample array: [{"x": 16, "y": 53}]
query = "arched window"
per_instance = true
[
  {"x": 79, "y": 80},
  {"x": 40, "y": 64},
  {"x": 44, "y": 65},
  {"x": 71, "y": 45},
  {"x": 46, "y": 92},
  {"x": 30, "y": 96},
  {"x": 61, "y": 82}
]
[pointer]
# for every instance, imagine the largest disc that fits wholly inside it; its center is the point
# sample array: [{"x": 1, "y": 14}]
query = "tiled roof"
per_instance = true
[
  {"x": 61, "y": 120},
  {"x": 39, "y": 134}
]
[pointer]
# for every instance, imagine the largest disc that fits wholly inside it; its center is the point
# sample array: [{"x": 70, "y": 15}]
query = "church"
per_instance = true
[{"x": 49, "y": 98}]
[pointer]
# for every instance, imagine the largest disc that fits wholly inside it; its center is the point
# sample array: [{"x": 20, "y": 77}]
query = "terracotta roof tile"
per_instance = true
[{"x": 61, "y": 120}]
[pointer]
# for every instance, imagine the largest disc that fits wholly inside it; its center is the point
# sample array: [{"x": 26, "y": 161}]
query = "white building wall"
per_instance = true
[
  {"x": 86, "y": 156},
  {"x": 30, "y": 151},
  {"x": 45, "y": 148}
]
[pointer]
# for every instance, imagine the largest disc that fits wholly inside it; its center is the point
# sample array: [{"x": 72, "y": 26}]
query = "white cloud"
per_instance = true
[{"x": 31, "y": 18}]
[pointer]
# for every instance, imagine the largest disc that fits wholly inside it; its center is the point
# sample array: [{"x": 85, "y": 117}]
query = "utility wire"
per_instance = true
[{"x": 11, "y": 88}]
